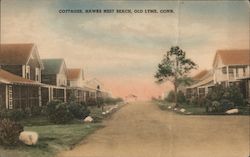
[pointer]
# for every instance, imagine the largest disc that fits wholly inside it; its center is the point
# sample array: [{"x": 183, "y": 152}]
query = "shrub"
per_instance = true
[
  {"x": 91, "y": 102},
  {"x": 9, "y": 132},
  {"x": 110, "y": 100},
  {"x": 27, "y": 111},
  {"x": 36, "y": 111},
  {"x": 233, "y": 94},
  {"x": 181, "y": 97},
  {"x": 225, "y": 105},
  {"x": 78, "y": 111},
  {"x": 58, "y": 112},
  {"x": 171, "y": 96},
  {"x": 13, "y": 114},
  {"x": 225, "y": 98}
]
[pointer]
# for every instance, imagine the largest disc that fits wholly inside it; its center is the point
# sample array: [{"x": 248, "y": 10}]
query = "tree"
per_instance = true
[{"x": 175, "y": 68}]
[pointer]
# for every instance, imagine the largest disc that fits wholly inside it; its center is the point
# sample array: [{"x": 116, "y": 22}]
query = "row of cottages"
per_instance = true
[
  {"x": 27, "y": 81},
  {"x": 229, "y": 67}
]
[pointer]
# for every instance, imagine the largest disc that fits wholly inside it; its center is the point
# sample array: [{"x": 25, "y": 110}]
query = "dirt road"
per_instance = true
[{"x": 141, "y": 129}]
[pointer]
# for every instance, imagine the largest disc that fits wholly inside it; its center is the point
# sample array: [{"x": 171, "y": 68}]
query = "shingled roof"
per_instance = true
[
  {"x": 52, "y": 66},
  {"x": 73, "y": 74},
  {"x": 233, "y": 57},
  {"x": 17, "y": 54},
  {"x": 7, "y": 77},
  {"x": 200, "y": 75},
  {"x": 201, "y": 78}
]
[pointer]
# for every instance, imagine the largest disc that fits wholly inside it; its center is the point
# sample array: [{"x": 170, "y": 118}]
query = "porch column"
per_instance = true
[
  {"x": 52, "y": 93},
  {"x": 84, "y": 96},
  {"x": 49, "y": 94},
  {"x": 65, "y": 98},
  {"x": 39, "y": 96},
  {"x": 227, "y": 82}
]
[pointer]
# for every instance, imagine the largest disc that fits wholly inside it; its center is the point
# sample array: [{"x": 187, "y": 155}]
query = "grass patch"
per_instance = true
[
  {"x": 42, "y": 121},
  {"x": 190, "y": 109},
  {"x": 52, "y": 139},
  {"x": 197, "y": 110}
]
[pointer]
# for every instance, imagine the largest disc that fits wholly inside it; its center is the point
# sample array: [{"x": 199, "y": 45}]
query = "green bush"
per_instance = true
[
  {"x": 221, "y": 99},
  {"x": 233, "y": 94},
  {"x": 171, "y": 96},
  {"x": 27, "y": 111},
  {"x": 13, "y": 114},
  {"x": 110, "y": 100},
  {"x": 58, "y": 112},
  {"x": 36, "y": 111},
  {"x": 79, "y": 111},
  {"x": 9, "y": 132},
  {"x": 181, "y": 97},
  {"x": 91, "y": 102}
]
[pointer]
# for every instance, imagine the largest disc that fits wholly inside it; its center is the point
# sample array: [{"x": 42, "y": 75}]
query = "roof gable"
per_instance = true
[
  {"x": 15, "y": 54},
  {"x": 73, "y": 74},
  {"x": 52, "y": 66},
  {"x": 18, "y": 54},
  {"x": 233, "y": 57},
  {"x": 94, "y": 83}
]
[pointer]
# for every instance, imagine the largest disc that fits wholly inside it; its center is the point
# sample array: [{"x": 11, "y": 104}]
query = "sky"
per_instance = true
[{"x": 123, "y": 50}]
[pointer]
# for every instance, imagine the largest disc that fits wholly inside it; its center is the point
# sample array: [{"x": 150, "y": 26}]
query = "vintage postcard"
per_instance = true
[{"x": 124, "y": 78}]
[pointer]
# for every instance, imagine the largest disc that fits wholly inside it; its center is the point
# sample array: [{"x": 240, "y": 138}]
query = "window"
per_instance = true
[
  {"x": 10, "y": 97},
  {"x": 244, "y": 71},
  {"x": 224, "y": 70},
  {"x": 237, "y": 72},
  {"x": 231, "y": 72},
  {"x": 201, "y": 92},
  {"x": 37, "y": 74},
  {"x": 27, "y": 72}
]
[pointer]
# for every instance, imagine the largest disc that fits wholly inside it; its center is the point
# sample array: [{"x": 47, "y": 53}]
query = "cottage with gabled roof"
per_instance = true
[
  {"x": 55, "y": 72},
  {"x": 22, "y": 60},
  {"x": 54, "y": 75},
  {"x": 229, "y": 67},
  {"x": 233, "y": 67},
  {"x": 75, "y": 79}
]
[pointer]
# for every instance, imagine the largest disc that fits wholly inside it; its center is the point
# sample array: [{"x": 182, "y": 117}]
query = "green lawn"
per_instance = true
[
  {"x": 52, "y": 139},
  {"x": 197, "y": 110},
  {"x": 190, "y": 109}
]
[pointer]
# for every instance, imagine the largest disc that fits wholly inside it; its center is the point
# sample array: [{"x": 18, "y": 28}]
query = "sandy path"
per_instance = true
[{"x": 141, "y": 129}]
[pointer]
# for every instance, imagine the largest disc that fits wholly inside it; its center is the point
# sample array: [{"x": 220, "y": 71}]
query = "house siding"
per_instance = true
[
  {"x": 33, "y": 63},
  {"x": 49, "y": 79}
]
